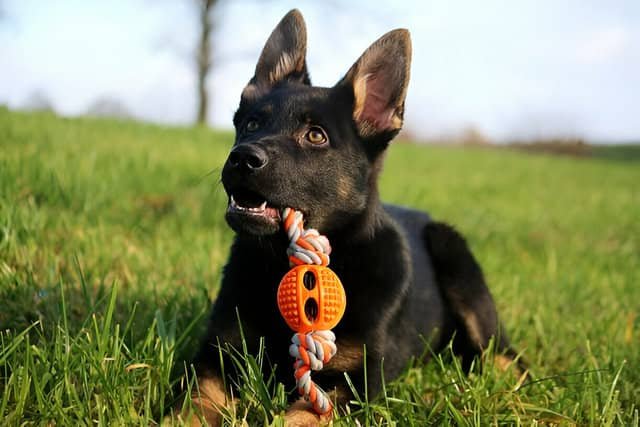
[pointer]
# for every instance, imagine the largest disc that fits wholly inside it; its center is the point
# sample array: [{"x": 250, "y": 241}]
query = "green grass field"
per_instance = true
[{"x": 112, "y": 242}]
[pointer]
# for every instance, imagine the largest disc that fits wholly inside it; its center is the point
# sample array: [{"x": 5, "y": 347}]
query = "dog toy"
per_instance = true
[{"x": 311, "y": 300}]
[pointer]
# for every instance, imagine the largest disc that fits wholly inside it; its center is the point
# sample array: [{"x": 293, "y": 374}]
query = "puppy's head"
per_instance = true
[{"x": 314, "y": 149}]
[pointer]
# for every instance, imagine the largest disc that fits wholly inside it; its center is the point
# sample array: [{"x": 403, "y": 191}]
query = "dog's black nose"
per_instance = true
[{"x": 248, "y": 156}]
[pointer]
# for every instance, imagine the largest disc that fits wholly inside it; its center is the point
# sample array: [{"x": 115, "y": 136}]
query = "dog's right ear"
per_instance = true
[
  {"x": 283, "y": 57},
  {"x": 378, "y": 81}
]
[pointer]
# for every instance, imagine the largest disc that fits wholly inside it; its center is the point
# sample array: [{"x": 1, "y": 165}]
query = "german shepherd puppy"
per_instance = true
[{"x": 320, "y": 150}]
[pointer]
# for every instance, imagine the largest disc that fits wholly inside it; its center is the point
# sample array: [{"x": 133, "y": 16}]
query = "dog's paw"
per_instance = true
[
  {"x": 208, "y": 402},
  {"x": 512, "y": 366},
  {"x": 301, "y": 414},
  {"x": 203, "y": 415},
  {"x": 199, "y": 415}
]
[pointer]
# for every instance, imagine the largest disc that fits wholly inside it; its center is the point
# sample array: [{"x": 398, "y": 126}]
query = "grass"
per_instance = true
[{"x": 112, "y": 241}]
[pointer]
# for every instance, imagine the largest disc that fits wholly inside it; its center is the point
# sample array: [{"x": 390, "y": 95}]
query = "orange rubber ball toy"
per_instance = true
[{"x": 311, "y": 298}]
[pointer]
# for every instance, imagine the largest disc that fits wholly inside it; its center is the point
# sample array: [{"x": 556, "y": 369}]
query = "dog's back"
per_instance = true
[{"x": 424, "y": 301}]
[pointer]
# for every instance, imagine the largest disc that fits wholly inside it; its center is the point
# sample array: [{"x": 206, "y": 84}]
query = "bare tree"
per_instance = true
[
  {"x": 38, "y": 100},
  {"x": 206, "y": 54},
  {"x": 203, "y": 57},
  {"x": 109, "y": 106}
]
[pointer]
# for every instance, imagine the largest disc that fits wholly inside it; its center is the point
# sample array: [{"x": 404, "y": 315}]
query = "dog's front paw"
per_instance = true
[
  {"x": 208, "y": 402},
  {"x": 301, "y": 414}
]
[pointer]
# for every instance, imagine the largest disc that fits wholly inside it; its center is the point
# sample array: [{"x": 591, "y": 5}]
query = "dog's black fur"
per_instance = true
[{"x": 320, "y": 150}]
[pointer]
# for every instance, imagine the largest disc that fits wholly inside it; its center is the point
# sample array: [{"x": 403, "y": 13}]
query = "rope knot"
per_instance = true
[
  {"x": 305, "y": 246},
  {"x": 312, "y": 350}
]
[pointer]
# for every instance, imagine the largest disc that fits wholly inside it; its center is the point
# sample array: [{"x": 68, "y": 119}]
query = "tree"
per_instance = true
[
  {"x": 38, "y": 100},
  {"x": 471, "y": 135},
  {"x": 204, "y": 52},
  {"x": 203, "y": 57},
  {"x": 108, "y": 106}
]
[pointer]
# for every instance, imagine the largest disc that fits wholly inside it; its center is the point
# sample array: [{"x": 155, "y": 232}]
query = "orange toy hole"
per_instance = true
[{"x": 311, "y": 298}]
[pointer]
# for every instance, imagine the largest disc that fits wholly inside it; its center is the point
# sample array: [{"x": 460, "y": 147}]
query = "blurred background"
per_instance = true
[{"x": 483, "y": 72}]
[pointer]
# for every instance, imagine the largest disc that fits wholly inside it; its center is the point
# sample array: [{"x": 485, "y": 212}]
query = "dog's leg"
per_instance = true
[
  {"x": 463, "y": 287},
  {"x": 208, "y": 399},
  {"x": 301, "y": 414}
]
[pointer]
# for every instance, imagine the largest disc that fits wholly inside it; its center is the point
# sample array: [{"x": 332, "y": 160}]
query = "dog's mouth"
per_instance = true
[
  {"x": 250, "y": 203},
  {"x": 249, "y": 212}
]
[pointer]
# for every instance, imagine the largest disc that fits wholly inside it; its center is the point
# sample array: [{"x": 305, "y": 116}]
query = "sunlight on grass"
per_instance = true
[{"x": 112, "y": 242}]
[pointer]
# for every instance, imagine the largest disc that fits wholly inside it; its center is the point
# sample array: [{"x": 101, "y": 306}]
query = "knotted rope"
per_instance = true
[
  {"x": 314, "y": 348},
  {"x": 305, "y": 246}
]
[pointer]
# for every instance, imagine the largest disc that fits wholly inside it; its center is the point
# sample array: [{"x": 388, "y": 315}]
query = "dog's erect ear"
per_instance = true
[
  {"x": 283, "y": 57},
  {"x": 379, "y": 80}
]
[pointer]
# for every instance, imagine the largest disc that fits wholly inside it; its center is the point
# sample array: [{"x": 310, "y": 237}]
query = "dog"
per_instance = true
[{"x": 320, "y": 150}]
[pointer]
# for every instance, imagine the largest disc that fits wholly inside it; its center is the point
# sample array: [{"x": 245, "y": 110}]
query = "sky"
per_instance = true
[{"x": 510, "y": 69}]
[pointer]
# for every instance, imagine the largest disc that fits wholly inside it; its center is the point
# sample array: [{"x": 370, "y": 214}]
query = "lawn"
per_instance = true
[{"x": 112, "y": 242}]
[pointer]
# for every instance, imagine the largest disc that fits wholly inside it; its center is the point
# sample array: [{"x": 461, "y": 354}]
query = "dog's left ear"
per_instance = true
[
  {"x": 283, "y": 57},
  {"x": 379, "y": 81}
]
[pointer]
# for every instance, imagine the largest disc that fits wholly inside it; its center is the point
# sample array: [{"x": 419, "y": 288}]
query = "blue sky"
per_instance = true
[{"x": 509, "y": 68}]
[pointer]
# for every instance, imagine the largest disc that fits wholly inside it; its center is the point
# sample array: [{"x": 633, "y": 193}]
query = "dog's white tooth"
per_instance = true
[
  {"x": 263, "y": 206},
  {"x": 236, "y": 206}
]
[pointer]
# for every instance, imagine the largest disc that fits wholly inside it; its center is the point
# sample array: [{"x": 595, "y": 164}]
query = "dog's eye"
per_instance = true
[
  {"x": 252, "y": 126},
  {"x": 316, "y": 135}
]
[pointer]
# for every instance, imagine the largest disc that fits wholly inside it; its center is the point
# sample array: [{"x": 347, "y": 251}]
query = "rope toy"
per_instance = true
[{"x": 311, "y": 300}]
